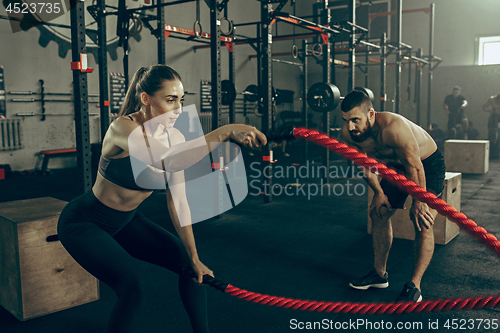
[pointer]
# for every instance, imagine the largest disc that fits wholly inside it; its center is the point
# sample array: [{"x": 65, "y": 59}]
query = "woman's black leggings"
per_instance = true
[{"x": 107, "y": 243}]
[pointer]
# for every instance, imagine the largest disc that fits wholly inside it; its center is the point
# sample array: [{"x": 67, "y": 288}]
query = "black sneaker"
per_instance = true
[
  {"x": 410, "y": 293},
  {"x": 372, "y": 279}
]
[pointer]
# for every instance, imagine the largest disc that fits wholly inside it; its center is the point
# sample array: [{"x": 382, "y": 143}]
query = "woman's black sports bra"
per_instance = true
[{"x": 119, "y": 171}]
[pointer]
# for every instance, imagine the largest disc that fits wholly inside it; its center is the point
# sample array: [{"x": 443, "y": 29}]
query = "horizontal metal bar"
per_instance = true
[
  {"x": 247, "y": 23},
  {"x": 425, "y": 10},
  {"x": 37, "y": 93},
  {"x": 239, "y": 41},
  {"x": 354, "y": 25},
  {"x": 406, "y": 46},
  {"x": 416, "y": 59},
  {"x": 30, "y": 100},
  {"x": 287, "y": 62},
  {"x": 370, "y": 44},
  {"x": 159, "y": 5},
  {"x": 32, "y": 114},
  {"x": 304, "y": 23}
]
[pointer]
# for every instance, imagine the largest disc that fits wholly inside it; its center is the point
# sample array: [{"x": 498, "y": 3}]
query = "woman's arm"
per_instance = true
[
  {"x": 129, "y": 136},
  {"x": 180, "y": 214}
]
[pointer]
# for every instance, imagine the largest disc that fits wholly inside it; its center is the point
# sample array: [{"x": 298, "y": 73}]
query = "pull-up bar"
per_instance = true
[
  {"x": 425, "y": 10},
  {"x": 169, "y": 29},
  {"x": 303, "y": 23}
]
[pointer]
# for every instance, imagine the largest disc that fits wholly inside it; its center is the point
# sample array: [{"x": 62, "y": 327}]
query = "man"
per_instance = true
[
  {"x": 473, "y": 133},
  {"x": 454, "y": 105},
  {"x": 408, "y": 148},
  {"x": 493, "y": 105}
]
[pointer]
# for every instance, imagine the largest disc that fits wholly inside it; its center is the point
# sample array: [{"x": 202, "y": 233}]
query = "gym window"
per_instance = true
[{"x": 489, "y": 51}]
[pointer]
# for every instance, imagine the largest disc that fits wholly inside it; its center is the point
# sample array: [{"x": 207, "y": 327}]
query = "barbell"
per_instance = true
[
  {"x": 252, "y": 94},
  {"x": 325, "y": 97}
]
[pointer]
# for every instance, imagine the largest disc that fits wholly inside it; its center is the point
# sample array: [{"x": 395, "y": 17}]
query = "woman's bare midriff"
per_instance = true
[{"x": 117, "y": 197}]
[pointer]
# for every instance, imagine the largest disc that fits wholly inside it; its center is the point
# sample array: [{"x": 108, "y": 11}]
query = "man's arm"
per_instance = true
[
  {"x": 445, "y": 107},
  {"x": 379, "y": 198},
  {"x": 398, "y": 135},
  {"x": 464, "y": 104},
  {"x": 488, "y": 104}
]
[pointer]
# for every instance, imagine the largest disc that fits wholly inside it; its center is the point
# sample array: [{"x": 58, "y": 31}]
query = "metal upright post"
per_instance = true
[
  {"x": 383, "y": 70},
  {"x": 125, "y": 59},
  {"x": 266, "y": 98},
  {"x": 398, "y": 54},
  {"x": 304, "y": 95},
  {"x": 103, "y": 68},
  {"x": 258, "y": 44},
  {"x": 81, "y": 104},
  {"x": 232, "y": 70},
  {"x": 327, "y": 77},
  {"x": 418, "y": 87},
  {"x": 367, "y": 59},
  {"x": 431, "y": 58},
  {"x": 215, "y": 46},
  {"x": 160, "y": 11},
  {"x": 215, "y": 67},
  {"x": 352, "y": 49}
]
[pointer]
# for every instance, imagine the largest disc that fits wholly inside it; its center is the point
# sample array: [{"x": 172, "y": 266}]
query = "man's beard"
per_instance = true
[{"x": 362, "y": 136}]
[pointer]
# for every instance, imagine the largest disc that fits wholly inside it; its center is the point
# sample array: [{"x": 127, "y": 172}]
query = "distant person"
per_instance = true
[
  {"x": 454, "y": 105},
  {"x": 473, "y": 133},
  {"x": 492, "y": 105}
]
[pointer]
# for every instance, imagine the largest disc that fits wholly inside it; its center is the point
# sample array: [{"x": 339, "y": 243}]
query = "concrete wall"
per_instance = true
[{"x": 25, "y": 61}]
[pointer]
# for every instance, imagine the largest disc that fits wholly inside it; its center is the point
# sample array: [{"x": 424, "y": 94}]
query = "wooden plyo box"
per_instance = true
[
  {"x": 444, "y": 229},
  {"x": 37, "y": 275},
  {"x": 467, "y": 156}
]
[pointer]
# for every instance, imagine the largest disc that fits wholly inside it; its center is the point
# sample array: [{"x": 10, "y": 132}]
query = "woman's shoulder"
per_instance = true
[
  {"x": 124, "y": 124},
  {"x": 177, "y": 135}
]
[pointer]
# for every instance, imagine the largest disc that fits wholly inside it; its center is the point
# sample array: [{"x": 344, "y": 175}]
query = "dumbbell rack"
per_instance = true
[{"x": 118, "y": 90}]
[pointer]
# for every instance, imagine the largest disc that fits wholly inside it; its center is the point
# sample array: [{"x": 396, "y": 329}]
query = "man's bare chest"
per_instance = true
[{"x": 378, "y": 150}]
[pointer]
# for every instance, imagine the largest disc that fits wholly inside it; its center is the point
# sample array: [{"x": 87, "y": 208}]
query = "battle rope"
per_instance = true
[{"x": 414, "y": 190}]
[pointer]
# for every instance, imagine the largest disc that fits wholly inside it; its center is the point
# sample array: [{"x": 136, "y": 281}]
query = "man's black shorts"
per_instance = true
[{"x": 434, "y": 169}]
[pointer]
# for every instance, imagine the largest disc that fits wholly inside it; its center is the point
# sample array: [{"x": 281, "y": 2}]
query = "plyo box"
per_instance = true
[
  {"x": 37, "y": 275},
  {"x": 444, "y": 229},
  {"x": 467, "y": 156}
]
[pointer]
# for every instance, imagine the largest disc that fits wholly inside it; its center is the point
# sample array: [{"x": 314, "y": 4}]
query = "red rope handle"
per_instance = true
[{"x": 417, "y": 192}]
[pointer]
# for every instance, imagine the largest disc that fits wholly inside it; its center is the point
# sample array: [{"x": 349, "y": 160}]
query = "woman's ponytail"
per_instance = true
[{"x": 132, "y": 102}]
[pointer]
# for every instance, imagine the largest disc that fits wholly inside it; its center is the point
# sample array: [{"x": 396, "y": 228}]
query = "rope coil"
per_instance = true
[{"x": 415, "y": 191}]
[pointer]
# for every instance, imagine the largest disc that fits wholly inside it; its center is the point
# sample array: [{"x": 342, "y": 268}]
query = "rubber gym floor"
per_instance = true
[{"x": 293, "y": 247}]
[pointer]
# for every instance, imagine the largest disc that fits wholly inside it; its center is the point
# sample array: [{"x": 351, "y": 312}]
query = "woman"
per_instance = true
[{"x": 102, "y": 229}]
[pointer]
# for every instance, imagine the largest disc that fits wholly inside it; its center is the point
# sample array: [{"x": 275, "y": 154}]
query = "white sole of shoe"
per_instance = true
[{"x": 376, "y": 285}]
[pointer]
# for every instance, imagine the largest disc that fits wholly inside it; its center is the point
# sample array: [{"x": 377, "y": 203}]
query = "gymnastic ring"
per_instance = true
[
  {"x": 295, "y": 51},
  {"x": 317, "y": 49},
  {"x": 256, "y": 111},
  {"x": 136, "y": 26},
  {"x": 196, "y": 32},
  {"x": 231, "y": 27}
]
